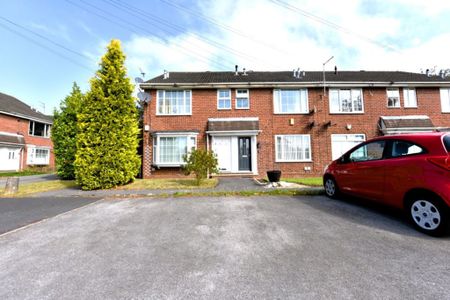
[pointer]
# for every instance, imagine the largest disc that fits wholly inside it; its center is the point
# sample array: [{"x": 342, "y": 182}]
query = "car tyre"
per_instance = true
[
  {"x": 330, "y": 186},
  {"x": 428, "y": 214}
]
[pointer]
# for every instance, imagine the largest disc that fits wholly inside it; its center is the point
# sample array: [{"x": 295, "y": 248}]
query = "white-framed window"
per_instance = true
[
  {"x": 290, "y": 101},
  {"x": 39, "y": 129},
  {"x": 393, "y": 97},
  {"x": 169, "y": 150},
  {"x": 293, "y": 148},
  {"x": 38, "y": 155},
  {"x": 341, "y": 143},
  {"x": 177, "y": 102},
  {"x": 223, "y": 99},
  {"x": 242, "y": 99},
  {"x": 445, "y": 100},
  {"x": 409, "y": 97},
  {"x": 346, "y": 101}
]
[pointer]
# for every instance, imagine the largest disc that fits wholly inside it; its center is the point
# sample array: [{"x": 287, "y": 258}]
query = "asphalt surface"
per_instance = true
[
  {"x": 31, "y": 179},
  {"x": 18, "y": 212},
  {"x": 224, "y": 248}
]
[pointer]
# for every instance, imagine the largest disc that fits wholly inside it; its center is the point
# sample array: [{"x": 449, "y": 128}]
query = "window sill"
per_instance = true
[
  {"x": 347, "y": 113},
  {"x": 224, "y": 108},
  {"x": 291, "y": 113},
  {"x": 414, "y": 107},
  {"x": 294, "y": 161},
  {"x": 393, "y": 107},
  {"x": 242, "y": 108},
  {"x": 172, "y": 115}
]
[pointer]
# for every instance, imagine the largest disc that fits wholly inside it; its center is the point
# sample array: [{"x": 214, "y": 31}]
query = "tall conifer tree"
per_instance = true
[
  {"x": 64, "y": 133},
  {"x": 107, "y": 139}
]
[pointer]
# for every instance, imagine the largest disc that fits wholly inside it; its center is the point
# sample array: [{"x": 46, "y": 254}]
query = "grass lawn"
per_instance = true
[
  {"x": 27, "y": 189},
  {"x": 22, "y": 173},
  {"x": 165, "y": 184},
  {"x": 311, "y": 181}
]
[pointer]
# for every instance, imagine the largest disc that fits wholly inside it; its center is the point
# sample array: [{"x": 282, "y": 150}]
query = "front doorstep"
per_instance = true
[{"x": 239, "y": 174}]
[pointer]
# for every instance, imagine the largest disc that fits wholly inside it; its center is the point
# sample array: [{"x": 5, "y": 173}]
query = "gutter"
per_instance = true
[
  {"x": 147, "y": 85},
  {"x": 26, "y": 117}
]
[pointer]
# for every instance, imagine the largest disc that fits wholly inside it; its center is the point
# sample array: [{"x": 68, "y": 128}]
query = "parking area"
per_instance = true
[
  {"x": 216, "y": 248},
  {"x": 18, "y": 212}
]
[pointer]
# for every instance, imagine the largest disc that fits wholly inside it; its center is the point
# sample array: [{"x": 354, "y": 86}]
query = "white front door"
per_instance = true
[
  {"x": 222, "y": 147},
  {"x": 9, "y": 159}
]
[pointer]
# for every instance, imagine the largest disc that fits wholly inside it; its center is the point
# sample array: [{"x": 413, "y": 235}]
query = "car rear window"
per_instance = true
[{"x": 447, "y": 142}]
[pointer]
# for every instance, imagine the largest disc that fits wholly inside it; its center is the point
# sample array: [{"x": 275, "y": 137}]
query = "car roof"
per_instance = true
[{"x": 430, "y": 140}]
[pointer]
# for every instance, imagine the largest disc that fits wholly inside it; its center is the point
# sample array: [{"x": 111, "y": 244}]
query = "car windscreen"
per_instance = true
[{"x": 447, "y": 142}]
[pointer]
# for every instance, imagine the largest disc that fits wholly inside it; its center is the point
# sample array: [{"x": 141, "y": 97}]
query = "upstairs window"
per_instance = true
[
  {"x": 393, "y": 98},
  {"x": 290, "y": 101},
  {"x": 346, "y": 101},
  {"x": 224, "y": 99},
  {"x": 409, "y": 97},
  {"x": 39, "y": 129},
  {"x": 242, "y": 99},
  {"x": 173, "y": 102},
  {"x": 445, "y": 100}
]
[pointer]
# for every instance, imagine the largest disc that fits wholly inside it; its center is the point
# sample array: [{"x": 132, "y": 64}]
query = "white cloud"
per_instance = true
[
  {"x": 59, "y": 31},
  {"x": 277, "y": 38}
]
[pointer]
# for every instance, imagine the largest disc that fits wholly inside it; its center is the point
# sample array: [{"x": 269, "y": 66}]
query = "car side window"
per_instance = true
[
  {"x": 403, "y": 148},
  {"x": 367, "y": 152}
]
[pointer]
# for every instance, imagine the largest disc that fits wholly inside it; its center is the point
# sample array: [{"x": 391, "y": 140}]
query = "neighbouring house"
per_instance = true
[
  {"x": 296, "y": 122},
  {"x": 24, "y": 136}
]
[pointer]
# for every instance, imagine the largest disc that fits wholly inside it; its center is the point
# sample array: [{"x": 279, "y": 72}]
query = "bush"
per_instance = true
[
  {"x": 200, "y": 162},
  {"x": 107, "y": 139}
]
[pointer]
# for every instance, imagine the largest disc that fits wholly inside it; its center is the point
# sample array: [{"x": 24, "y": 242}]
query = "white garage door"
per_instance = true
[
  {"x": 9, "y": 159},
  {"x": 341, "y": 143}
]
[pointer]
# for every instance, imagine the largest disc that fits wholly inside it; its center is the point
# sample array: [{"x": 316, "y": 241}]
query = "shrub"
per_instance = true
[
  {"x": 200, "y": 162},
  {"x": 107, "y": 138}
]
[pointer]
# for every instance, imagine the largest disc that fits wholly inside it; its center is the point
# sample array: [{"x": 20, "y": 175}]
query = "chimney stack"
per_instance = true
[{"x": 236, "y": 70}]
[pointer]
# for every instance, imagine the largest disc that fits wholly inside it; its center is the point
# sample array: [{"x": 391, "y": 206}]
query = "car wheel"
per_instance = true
[
  {"x": 428, "y": 214},
  {"x": 331, "y": 188}
]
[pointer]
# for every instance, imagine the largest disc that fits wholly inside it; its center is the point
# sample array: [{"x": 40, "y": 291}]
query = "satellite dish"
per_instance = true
[
  {"x": 143, "y": 96},
  {"x": 138, "y": 80}
]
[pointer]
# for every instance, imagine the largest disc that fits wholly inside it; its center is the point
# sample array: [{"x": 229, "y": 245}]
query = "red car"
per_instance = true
[{"x": 409, "y": 171}]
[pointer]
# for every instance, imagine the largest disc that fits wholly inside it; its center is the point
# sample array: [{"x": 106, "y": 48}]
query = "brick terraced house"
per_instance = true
[
  {"x": 24, "y": 136},
  {"x": 295, "y": 122}
]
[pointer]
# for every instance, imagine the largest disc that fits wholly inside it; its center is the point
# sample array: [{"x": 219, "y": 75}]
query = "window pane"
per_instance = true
[
  {"x": 445, "y": 100},
  {"x": 371, "y": 151},
  {"x": 402, "y": 148},
  {"x": 334, "y": 100},
  {"x": 344, "y": 98},
  {"x": 293, "y": 148},
  {"x": 174, "y": 102},
  {"x": 172, "y": 149}
]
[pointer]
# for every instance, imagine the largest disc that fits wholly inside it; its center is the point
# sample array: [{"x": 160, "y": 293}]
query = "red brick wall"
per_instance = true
[
  {"x": 204, "y": 106},
  {"x": 20, "y": 126}
]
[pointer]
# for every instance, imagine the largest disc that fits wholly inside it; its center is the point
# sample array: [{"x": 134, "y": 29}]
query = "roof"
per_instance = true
[
  {"x": 288, "y": 77},
  {"x": 231, "y": 124},
  {"x": 405, "y": 124},
  {"x": 11, "y": 139},
  {"x": 13, "y": 106}
]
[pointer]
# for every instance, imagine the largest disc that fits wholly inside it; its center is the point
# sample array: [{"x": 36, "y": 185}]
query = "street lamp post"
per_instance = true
[{"x": 324, "y": 91}]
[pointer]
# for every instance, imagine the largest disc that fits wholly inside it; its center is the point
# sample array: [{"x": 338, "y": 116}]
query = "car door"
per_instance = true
[
  {"x": 404, "y": 162},
  {"x": 363, "y": 173}
]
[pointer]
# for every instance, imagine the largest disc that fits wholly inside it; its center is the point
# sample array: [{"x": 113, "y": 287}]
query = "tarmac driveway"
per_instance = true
[{"x": 222, "y": 248}]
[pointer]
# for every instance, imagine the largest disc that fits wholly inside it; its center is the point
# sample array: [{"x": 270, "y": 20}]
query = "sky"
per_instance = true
[{"x": 47, "y": 45}]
